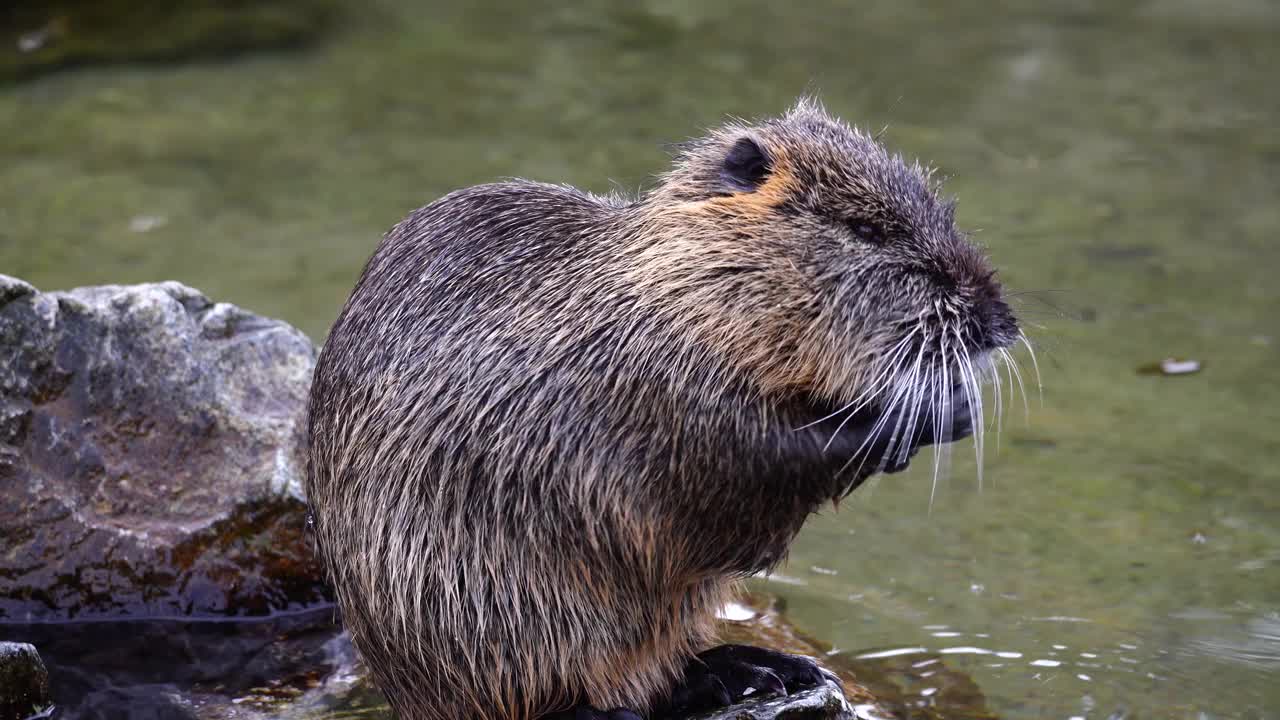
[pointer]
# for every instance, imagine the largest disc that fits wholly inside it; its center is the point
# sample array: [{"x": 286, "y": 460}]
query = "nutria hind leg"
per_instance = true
[
  {"x": 729, "y": 673},
  {"x": 583, "y": 711}
]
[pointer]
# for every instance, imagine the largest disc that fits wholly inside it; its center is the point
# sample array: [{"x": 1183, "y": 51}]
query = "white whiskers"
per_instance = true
[{"x": 918, "y": 389}]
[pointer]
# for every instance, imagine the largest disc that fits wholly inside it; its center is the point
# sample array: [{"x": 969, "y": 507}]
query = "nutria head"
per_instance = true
[{"x": 828, "y": 268}]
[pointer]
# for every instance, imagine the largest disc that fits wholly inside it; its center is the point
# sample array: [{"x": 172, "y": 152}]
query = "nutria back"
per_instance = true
[{"x": 550, "y": 429}]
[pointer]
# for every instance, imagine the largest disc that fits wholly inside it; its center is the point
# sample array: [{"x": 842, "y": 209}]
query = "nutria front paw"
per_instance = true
[
  {"x": 586, "y": 712},
  {"x": 728, "y": 673}
]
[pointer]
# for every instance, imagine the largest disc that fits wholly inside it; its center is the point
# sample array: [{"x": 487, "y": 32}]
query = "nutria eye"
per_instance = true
[
  {"x": 746, "y": 166},
  {"x": 867, "y": 232}
]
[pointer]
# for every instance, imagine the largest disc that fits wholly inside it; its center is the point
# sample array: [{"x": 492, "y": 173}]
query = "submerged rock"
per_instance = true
[
  {"x": 37, "y": 37},
  {"x": 24, "y": 682},
  {"x": 171, "y": 668},
  {"x": 150, "y": 456}
]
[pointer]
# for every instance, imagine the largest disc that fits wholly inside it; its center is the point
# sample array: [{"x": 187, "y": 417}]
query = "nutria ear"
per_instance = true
[{"x": 746, "y": 166}]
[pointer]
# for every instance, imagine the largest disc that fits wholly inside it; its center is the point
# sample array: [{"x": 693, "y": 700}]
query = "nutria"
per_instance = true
[{"x": 550, "y": 430}]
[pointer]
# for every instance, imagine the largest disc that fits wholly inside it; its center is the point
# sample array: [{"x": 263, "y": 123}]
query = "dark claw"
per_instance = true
[
  {"x": 887, "y": 449},
  {"x": 699, "y": 688},
  {"x": 726, "y": 674},
  {"x": 870, "y": 441},
  {"x": 961, "y": 420}
]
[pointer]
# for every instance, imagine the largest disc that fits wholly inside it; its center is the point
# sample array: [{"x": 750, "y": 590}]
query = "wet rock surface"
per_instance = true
[
  {"x": 24, "y": 681},
  {"x": 150, "y": 456},
  {"x": 193, "y": 668}
]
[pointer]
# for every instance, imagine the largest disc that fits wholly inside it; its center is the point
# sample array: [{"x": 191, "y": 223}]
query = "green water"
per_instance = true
[{"x": 1126, "y": 154}]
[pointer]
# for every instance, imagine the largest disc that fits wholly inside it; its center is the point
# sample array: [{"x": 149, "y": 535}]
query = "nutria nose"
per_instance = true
[
  {"x": 999, "y": 328},
  {"x": 995, "y": 319}
]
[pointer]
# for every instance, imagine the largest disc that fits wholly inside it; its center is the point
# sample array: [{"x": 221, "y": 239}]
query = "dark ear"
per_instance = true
[{"x": 746, "y": 166}]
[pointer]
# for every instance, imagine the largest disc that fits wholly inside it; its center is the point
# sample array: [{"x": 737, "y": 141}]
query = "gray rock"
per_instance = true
[
  {"x": 150, "y": 456},
  {"x": 24, "y": 682}
]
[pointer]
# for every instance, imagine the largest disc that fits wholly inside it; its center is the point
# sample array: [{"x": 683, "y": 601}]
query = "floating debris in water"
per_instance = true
[
  {"x": 147, "y": 223},
  {"x": 1171, "y": 366},
  {"x": 784, "y": 579},
  {"x": 736, "y": 612},
  {"x": 32, "y": 41},
  {"x": 38, "y": 39}
]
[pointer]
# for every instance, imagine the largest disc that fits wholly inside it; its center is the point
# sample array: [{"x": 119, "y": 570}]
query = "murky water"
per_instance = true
[{"x": 1120, "y": 158}]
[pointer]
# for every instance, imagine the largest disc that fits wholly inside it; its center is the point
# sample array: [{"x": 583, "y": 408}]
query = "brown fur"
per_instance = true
[{"x": 550, "y": 430}]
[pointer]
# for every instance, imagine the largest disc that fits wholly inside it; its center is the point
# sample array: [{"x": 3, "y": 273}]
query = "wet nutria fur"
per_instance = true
[{"x": 549, "y": 429}]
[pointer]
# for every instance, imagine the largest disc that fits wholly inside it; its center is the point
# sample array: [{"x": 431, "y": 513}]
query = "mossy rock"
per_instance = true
[{"x": 41, "y": 35}]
